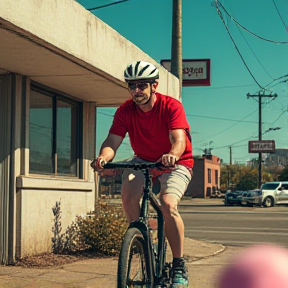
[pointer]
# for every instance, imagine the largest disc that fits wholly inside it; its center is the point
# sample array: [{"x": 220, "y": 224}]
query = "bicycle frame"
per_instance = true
[
  {"x": 156, "y": 263},
  {"x": 147, "y": 197}
]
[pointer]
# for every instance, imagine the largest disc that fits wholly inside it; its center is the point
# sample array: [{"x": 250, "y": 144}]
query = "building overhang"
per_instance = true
[
  {"x": 25, "y": 55},
  {"x": 62, "y": 45}
]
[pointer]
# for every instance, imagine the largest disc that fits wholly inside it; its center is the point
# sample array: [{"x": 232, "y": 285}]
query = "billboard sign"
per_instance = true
[
  {"x": 196, "y": 72},
  {"x": 263, "y": 146}
]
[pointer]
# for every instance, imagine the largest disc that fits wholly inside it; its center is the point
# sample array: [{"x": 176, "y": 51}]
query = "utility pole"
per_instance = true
[
  {"x": 228, "y": 178},
  {"x": 176, "y": 48},
  {"x": 229, "y": 169},
  {"x": 260, "y": 95}
]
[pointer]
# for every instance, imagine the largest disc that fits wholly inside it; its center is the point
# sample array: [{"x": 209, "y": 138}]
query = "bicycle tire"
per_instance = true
[{"x": 134, "y": 272}]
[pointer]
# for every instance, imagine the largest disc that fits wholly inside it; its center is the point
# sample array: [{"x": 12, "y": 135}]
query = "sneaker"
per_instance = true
[{"x": 180, "y": 277}]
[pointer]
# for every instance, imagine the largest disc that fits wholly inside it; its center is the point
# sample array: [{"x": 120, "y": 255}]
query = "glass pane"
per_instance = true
[
  {"x": 40, "y": 133},
  {"x": 103, "y": 122},
  {"x": 209, "y": 175},
  {"x": 270, "y": 186},
  {"x": 66, "y": 138}
]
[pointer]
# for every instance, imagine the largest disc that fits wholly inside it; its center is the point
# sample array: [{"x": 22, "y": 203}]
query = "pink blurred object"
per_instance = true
[{"x": 263, "y": 266}]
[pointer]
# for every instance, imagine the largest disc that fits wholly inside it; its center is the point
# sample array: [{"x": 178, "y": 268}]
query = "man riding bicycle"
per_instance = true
[{"x": 158, "y": 131}]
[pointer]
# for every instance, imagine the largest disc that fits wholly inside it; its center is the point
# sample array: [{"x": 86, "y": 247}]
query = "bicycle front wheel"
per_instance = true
[{"x": 134, "y": 266}]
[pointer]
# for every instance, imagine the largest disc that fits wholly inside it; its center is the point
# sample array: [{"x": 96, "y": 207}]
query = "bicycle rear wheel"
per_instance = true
[{"x": 134, "y": 266}]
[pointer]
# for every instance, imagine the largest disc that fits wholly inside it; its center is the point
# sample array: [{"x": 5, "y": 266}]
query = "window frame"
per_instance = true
[
  {"x": 209, "y": 175},
  {"x": 56, "y": 95},
  {"x": 216, "y": 177}
]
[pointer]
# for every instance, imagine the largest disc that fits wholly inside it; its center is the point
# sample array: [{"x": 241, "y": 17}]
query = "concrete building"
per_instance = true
[
  {"x": 206, "y": 177},
  {"x": 58, "y": 63}
]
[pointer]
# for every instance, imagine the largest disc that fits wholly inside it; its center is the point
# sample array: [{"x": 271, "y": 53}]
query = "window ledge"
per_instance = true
[{"x": 24, "y": 182}]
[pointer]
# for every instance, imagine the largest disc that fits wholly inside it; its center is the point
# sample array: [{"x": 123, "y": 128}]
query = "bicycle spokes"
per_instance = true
[{"x": 137, "y": 276}]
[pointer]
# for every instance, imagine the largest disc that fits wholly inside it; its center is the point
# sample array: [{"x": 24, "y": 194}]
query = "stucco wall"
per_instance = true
[
  {"x": 77, "y": 32},
  {"x": 35, "y": 217}
]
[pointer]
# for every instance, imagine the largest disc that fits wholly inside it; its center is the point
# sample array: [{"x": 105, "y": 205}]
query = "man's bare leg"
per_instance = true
[
  {"x": 131, "y": 192},
  {"x": 174, "y": 226}
]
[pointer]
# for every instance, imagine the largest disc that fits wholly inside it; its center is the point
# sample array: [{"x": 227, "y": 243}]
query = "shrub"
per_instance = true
[
  {"x": 73, "y": 240},
  {"x": 101, "y": 230},
  {"x": 104, "y": 229}
]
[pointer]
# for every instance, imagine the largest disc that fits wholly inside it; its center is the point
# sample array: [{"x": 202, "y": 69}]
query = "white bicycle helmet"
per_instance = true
[{"x": 141, "y": 70}]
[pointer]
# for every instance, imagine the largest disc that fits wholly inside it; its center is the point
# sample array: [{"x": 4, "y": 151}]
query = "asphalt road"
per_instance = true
[{"x": 210, "y": 220}]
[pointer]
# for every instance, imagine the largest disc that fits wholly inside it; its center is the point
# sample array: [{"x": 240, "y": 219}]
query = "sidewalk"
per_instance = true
[{"x": 94, "y": 273}]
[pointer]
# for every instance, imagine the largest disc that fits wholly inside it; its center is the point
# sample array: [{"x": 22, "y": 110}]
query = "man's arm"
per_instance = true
[
  {"x": 178, "y": 144},
  {"x": 107, "y": 151}
]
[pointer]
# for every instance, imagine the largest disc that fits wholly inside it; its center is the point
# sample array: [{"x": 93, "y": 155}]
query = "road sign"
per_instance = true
[
  {"x": 196, "y": 72},
  {"x": 263, "y": 146}
]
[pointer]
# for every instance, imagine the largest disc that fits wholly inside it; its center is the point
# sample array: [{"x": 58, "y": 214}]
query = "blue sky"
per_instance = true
[{"x": 220, "y": 115}]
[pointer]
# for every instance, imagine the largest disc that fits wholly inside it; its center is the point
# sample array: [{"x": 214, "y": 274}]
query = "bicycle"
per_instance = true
[{"x": 142, "y": 263}]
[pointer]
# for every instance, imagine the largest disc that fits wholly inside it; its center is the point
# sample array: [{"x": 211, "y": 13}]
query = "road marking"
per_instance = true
[
  {"x": 230, "y": 212},
  {"x": 236, "y": 232},
  {"x": 236, "y": 243},
  {"x": 239, "y": 228}
]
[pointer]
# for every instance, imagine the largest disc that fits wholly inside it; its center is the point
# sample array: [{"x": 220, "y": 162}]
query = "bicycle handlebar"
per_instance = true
[{"x": 137, "y": 166}]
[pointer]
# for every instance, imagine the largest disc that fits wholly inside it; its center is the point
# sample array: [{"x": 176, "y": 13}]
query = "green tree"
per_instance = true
[
  {"x": 274, "y": 172},
  {"x": 224, "y": 177},
  {"x": 246, "y": 178},
  {"x": 284, "y": 174}
]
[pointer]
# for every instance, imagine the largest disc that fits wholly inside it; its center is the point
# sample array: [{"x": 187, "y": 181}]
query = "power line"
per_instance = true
[
  {"x": 246, "y": 85},
  {"x": 276, "y": 80},
  {"x": 212, "y": 88},
  {"x": 254, "y": 53},
  {"x": 283, "y": 81},
  {"x": 220, "y": 14},
  {"x": 279, "y": 117},
  {"x": 279, "y": 14},
  {"x": 229, "y": 126},
  {"x": 106, "y": 114},
  {"x": 103, "y": 6},
  {"x": 273, "y": 41},
  {"x": 219, "y": 118}
]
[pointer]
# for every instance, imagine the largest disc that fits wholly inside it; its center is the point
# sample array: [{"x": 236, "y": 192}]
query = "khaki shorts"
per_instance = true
[{"x": 174, "y": 182}]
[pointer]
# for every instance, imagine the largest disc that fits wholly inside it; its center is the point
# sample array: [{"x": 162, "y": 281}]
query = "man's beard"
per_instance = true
[{"x": 141, "y": 99}]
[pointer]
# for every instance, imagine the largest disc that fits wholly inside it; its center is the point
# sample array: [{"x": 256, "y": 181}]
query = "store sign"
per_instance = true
[
  {"x": 263, "y": 146},
  {"x": 195, "y": 72}
]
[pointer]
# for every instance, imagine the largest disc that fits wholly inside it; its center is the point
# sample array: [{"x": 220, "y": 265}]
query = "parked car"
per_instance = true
[
  {"x": 253, "y": 197},
  {"x": 234, "y": 197},
  {"x": 274, "y": 193}
]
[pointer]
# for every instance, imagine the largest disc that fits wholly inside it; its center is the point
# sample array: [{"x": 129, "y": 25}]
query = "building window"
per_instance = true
[
  {"x": 209, "y": 176},
  {"x": 54, "y": 134},
  {"x": 216, "y": 177}
]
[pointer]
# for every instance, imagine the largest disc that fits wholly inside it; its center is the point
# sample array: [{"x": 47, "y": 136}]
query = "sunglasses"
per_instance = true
[{"x": 141, "y": 86}]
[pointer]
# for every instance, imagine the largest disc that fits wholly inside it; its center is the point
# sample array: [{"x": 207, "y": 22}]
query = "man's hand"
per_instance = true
[
  {"x": 98, "y": 163},
  {"x": 169, "y": 160}
]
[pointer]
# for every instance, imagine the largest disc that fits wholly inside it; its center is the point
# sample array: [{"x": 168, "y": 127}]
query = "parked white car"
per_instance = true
[{"x": 274, "y": 193}]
